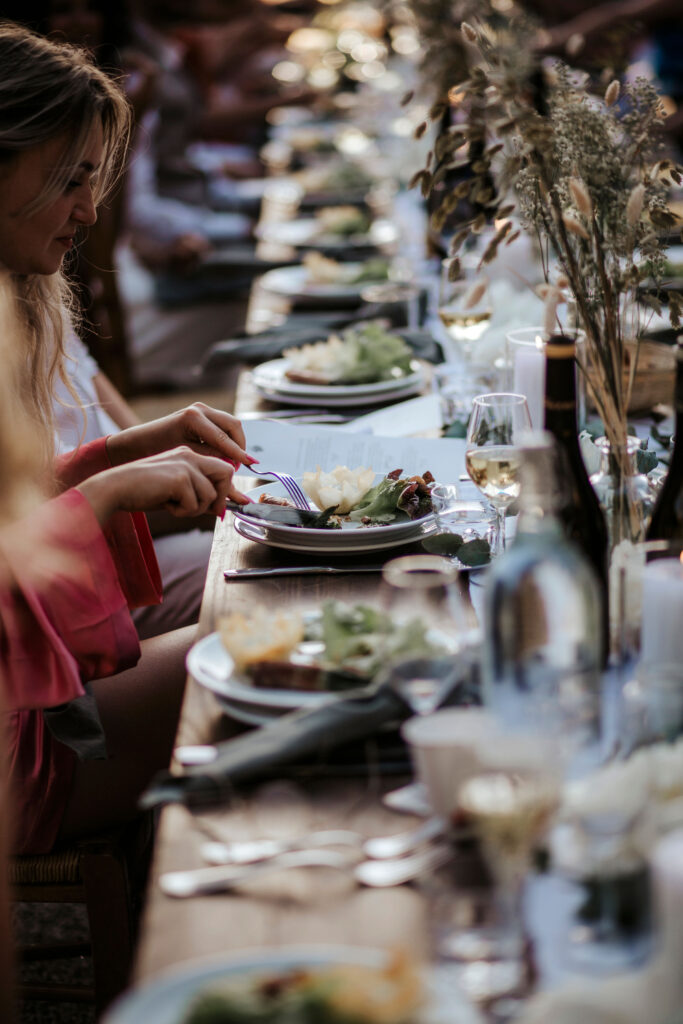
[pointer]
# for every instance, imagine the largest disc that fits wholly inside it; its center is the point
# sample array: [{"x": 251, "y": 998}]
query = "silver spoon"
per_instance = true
[
  {"x": 251, "y": 851},
  {"x": 203, "y": 881},
  {"x": 373, "y": 873},
  {"x": 382, "y": 873},
  {"x": 383, "y": 847}
]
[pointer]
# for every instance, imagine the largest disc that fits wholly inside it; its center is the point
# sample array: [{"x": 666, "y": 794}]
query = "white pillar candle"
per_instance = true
[
  {"x": 661, "y": 639},
  {"x": 528, "y": 377},
  {"x": 666, "y": 972}
]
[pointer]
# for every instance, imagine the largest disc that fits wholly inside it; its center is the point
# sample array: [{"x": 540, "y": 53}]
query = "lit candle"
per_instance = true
[
  {"x": 661, "y": 638},
  {"x": 528, "y": 377}
]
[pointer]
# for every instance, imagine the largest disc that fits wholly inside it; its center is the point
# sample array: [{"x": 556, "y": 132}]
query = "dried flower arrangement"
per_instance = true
[
  {"x": 580, "y": 169},
  {"x": 444, "y": 58}
]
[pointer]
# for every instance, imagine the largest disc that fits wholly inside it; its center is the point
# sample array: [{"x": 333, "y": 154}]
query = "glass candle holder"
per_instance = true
[
  {"x": 525, "y": 369},
  {"x": 525, "y": 361},
  {"x": 646, "y": 602},
  {"x": 466, "y": 528}
]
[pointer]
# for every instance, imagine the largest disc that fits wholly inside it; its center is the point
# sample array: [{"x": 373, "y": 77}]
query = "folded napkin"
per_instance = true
[
  {"x": 288, "y": 740},
  {"x": 303, "y": 330}
]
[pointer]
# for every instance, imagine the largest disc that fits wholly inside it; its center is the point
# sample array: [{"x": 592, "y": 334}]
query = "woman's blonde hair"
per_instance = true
[{"x": 49, "y": 90}]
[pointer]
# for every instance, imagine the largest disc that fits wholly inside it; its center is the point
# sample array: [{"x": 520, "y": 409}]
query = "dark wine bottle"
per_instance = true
[
  {"x": 667, "y": 516},
  {"x": 580, "y": 513}
]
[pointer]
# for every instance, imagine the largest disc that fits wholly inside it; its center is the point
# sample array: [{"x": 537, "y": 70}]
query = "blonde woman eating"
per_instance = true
[{"x": 90, "y": 711}]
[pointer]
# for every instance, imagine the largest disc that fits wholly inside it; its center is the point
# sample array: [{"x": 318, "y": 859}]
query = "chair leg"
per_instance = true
[{"x": 111, "y": 920}]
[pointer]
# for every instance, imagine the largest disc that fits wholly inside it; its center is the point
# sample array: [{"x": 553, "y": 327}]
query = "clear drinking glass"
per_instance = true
[
  {"x": 603, "y": 857},
  {"x": 464, "y": 309},
  {"x": 492, "y": 459},
  {"x": 510, "y": 811},
  {"x": 460, "y": 523},
  {"x": 399, "y": 301},
  {"x": 422, "y": 596},
  {"x": 651, "y": 706}
]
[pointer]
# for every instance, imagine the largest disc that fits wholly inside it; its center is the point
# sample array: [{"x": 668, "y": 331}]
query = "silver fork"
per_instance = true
[{"x": 288, "y": 482}]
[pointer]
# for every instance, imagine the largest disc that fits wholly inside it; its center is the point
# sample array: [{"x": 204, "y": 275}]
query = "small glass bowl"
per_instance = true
[{"x": 460, "y": 521}]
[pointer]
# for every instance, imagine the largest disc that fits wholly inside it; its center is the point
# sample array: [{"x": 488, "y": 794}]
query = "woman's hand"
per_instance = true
[
  {"x": 203, "y": 429},
  {"x": 182, "y": 481}
]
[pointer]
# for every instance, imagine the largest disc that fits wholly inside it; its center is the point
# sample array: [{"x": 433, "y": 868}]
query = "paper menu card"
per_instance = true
[
  {"x": 297, "y": 449},
  {"x": 416, "y": 415}
]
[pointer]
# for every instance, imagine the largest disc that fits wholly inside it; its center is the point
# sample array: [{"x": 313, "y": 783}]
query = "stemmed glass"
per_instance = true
[
  {"x": 422, "y": 596},
  {"x": 492, "y": 457},
  {"x": 510, "y": 811},
  {"x": 464, "y": 309}
]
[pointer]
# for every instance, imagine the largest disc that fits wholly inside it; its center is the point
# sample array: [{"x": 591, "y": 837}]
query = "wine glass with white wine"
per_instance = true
[
  {"x": 497, "y": 423},
  {"x": 464, "y": 308},
  {"x": 510, "y": 811}
]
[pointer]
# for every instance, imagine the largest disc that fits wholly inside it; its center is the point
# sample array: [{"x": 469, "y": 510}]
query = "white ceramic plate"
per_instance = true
[
  {"x": 272, "y": 376},
  {"x": 352, "y": 398},
  {"x": 250, "y": 714},
  {"x": 352, "y": 536},
  {"x": 250, "y": 531},
  {"x": 210, "y": 664},
  {"x": 305, "y": 231},
  {"x": 295, "y": 283},
  {"x": 166, "y": 998}
]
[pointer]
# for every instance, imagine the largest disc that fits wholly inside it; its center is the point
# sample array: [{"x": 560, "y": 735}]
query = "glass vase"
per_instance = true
[
  {"x": 626, "y": 495},
  {"x": 627, "y": 498}
]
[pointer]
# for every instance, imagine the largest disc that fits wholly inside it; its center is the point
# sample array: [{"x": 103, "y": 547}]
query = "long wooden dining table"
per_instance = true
[{"x": 315, "y": 905}]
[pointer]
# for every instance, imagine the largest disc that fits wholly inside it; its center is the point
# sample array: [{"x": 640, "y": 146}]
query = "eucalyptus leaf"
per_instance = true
[
  {"x": 458, "y": 428},
  {"x": 448, "y": 544},
  {"x": 646, "y": 460},
  {"x": 475, "y": 552}
]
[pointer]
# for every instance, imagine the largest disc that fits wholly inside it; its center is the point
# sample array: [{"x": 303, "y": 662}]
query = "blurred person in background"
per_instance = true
[{"x": 612, "y": 34}]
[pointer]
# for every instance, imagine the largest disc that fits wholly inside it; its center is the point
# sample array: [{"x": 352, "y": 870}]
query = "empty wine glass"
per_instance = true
[
  {"x": 425, "y": 657},
  {"x": 492, "y": 458}
]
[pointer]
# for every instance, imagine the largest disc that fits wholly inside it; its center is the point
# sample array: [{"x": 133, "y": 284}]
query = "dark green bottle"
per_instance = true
[
  {"x": 667, "y": 517},
  {"x": 581, "y": 515}
]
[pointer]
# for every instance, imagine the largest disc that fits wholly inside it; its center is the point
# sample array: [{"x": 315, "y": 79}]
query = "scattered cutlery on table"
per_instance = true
[
  {"x": 297, "y": 570},
  {"x": 278, "y": 414},
  {"x": 250, "y": 851},
  {"x": 204, "y": 881},
  {"x": 297, "y": 416},
  {"x": 389, "y": 847},
  {"x": 371, "y": 873},
  {"x": 192, "y": 755},
  {"x": 399, "y": 870}
]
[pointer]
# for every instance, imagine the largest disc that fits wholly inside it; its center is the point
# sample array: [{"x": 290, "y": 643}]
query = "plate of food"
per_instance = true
[
  {"x": 361, "y": 362},
  {"x": 351, "y": 510},
  {"x": 332, "y": 227},
  {"x": 267, "y": 662},
  {"x": 334, "y": 181},
  {"x": 319, "y": 278},
  {"x": 335, "y": 984}
]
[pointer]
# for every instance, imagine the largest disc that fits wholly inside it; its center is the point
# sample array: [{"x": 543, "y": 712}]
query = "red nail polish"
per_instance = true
[
  {"x": 252, "y": 461},
  {"x": 221, "y": 515}
]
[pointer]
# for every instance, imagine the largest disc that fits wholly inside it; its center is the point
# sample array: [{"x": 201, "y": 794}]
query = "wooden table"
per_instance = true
[{"x": 321, "y": 906}]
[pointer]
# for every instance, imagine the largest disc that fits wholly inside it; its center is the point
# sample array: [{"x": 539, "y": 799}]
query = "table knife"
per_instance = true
[{"x": 297, "y": 570}]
